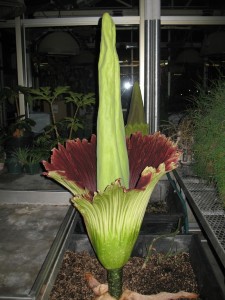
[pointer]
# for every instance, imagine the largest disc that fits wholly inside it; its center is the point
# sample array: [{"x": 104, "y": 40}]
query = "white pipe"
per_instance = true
[
  {"x": 19, "y": 56},
  {"x": 142, "y": 48}
]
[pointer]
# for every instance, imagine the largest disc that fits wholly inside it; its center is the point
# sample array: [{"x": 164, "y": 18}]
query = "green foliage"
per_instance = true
[
  {"x": 45, "y": 93},
  {"x": 21, "y": 126},
  {"x": 35, "y": 155},
  {"x": 209, "y": 135},
  {"x": 20, "y": 155},
  {"x": 79, "y": 100},
  {"x": 28, "y": 156},
  {"x": 59, "y": 131}
]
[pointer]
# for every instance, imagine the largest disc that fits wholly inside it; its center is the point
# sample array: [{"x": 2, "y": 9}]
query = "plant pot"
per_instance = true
[
  {"x": 203, "y": 264},
  {"x": 32, "y": 168},
  {"x": 14, "y": 167}
]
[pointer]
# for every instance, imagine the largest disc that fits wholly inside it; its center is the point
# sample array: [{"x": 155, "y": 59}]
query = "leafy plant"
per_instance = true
[
  {"x": 209, "y": 135},
  {"x": 20, "y": 155},
  {"x": 79, "y": 101},
  {"x": 50, "y": 96},
  {"x": 20, "y": 124},
  {"x": 34, "y": 156}
]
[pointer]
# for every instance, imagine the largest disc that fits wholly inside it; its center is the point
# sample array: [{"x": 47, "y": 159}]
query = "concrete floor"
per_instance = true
[{"x": 32, "y": 210}]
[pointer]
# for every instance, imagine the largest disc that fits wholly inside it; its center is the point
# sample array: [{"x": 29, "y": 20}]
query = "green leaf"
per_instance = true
[
  {"x": 59, "y": 90},
  {"x": 79, "y": 99}
]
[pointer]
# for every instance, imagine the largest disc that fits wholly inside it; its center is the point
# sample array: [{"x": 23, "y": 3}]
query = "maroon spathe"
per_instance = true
[{"x": 77, "y": 161}]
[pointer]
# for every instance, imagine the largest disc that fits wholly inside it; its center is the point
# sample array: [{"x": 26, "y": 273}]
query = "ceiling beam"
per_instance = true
[{"x": 124, "y": 20}]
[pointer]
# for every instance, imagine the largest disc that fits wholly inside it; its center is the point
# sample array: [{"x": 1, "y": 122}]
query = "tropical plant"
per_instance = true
[
  {"x": 50, "y": 96},
  {"x": 112, "y": 191},
  {"x": 79, "y": 101}
]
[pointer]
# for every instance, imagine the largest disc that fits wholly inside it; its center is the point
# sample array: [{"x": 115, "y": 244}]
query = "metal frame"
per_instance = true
[
  {"x": 174, "y": 185},
  {"x": 47, "y": 275},
  {"x": 207, "y": 207}
]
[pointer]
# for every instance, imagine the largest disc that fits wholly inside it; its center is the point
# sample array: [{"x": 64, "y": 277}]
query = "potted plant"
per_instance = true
[
  {"x": 15, "y": 161},
  {"x": 112, "y": 191},
  {"x": 18, "y": 132},
  {"x": 32, "y": 161}
]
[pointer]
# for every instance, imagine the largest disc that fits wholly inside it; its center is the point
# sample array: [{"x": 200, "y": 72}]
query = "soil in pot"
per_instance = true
[
  {"x": 157, "y": 207},
  {"x": 164, "y": 272}
]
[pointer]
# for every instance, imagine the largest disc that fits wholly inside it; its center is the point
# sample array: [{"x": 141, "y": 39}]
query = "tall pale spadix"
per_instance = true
[{"x": 112, "y": 159}]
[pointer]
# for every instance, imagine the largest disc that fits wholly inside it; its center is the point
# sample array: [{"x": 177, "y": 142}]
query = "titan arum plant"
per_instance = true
[
  {"x": 111, "y": 177},
  {"x": 136, "y": 120}
]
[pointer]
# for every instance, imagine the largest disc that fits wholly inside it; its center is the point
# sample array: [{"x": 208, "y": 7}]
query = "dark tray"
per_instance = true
[{"x": 159, "y": 223}]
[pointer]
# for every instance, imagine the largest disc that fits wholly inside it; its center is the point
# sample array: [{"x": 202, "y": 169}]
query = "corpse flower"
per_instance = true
[{"x": 111, "y": 177}]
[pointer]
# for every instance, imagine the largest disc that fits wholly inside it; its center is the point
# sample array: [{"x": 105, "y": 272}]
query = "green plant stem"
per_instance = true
[
  {"x": 115, "y": 282},
  {"x": 74, "y": 118},
  {"x": 172, "y": 234},
  {"x": 54, "y": 121}
]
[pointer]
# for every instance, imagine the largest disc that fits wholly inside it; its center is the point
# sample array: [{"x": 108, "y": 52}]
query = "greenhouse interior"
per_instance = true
[{"x": 160, "y": 101}]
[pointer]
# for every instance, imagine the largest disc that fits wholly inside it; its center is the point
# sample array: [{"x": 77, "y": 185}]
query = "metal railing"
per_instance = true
[{"x": 207, "y": 207}]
